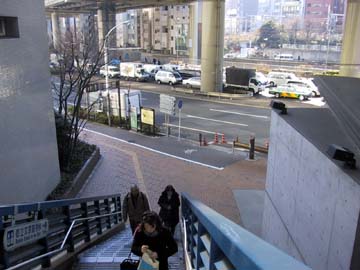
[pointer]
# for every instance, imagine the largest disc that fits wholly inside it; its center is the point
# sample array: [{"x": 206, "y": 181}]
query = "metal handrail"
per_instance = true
[{"x": 63, "y": 242}]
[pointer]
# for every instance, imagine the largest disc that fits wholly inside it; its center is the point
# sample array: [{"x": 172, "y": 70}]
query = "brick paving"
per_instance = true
[{"x": 122, "y": 165}]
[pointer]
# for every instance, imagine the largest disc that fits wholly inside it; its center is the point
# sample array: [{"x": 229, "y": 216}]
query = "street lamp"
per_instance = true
[{"x": 107, "y": 68}]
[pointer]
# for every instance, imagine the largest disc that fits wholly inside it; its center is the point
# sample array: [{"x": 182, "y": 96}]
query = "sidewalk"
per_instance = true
[{"x": 123, "y": 165}]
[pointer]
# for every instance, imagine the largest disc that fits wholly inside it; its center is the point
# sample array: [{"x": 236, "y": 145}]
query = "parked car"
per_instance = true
[
  {"x": 306, "y": 83},
  {"x": 291, "y": 91},
  {"x": 189, "y": 73},
  {"x": 113, "y": 71},
  {"x": 279, "y": 78},
  {"x": 164, "y": 76},
  {"x": 194, "y": 82}
]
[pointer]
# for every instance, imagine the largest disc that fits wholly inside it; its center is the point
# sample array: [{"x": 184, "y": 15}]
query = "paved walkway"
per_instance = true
[{"x": 123, "y": 164}]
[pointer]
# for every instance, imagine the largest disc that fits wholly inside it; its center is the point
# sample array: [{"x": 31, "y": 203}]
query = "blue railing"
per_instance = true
[
  {"x": 70, "y": 226},
  {"x": 214, "y": 242}
]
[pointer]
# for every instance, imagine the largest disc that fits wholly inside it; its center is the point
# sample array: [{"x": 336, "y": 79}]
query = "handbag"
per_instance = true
[
  {"x": 129, "y": 264},
  {"x": 147, "y": 263}
]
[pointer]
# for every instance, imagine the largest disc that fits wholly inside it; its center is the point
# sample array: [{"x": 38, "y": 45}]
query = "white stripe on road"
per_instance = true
[
  {"x": 214, "y": 120},
  {"x": 156, "y": 151},
  {"x": 194, "y": 129},
  {"x": 246, "y": 114}
]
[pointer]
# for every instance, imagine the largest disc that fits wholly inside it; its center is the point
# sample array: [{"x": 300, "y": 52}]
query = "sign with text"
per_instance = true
[
  {"x": 23, "y": 234},
  {"x": 148, "y": 116},
  {"x": 167, "y": 104}
]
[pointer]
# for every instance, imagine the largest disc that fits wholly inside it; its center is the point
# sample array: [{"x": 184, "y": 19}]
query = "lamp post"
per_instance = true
[{"x": 106, "y": 60}]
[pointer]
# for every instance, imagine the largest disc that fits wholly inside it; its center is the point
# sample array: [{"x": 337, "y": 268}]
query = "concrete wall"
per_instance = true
[
  {"x": 311, "y": 206},
  {"x": 29, "y": 167}
]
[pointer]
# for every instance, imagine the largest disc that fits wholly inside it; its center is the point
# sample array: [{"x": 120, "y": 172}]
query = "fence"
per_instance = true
[
  {"x": 214, "y": 242},
  {"x": 67, "y": 225}
]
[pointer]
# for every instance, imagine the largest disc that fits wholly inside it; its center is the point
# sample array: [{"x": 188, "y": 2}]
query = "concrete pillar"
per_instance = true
[
  {"x": 55, "y": 30},
  {"x": 350, "y": 55},
  {"x": 106, "y": 18},
  {"x": 193, "y": 33},
  {"x": 212, "y": 45}
]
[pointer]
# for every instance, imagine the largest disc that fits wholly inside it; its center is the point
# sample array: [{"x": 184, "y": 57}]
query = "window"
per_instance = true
[{"x": 9, "y": 27}]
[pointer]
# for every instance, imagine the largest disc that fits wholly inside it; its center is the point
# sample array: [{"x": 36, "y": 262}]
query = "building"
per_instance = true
[
  {"x": 312, "y": 200},
  {"x": 28, "y": 148}
]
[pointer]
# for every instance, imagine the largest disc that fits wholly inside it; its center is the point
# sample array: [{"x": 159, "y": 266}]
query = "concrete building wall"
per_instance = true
[
  {"x": 29, "y": 167},
  {"x": 311, "y": 206}
]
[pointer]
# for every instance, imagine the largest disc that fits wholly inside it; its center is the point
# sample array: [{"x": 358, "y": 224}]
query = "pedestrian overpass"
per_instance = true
[{"x": 53, "y": 234}]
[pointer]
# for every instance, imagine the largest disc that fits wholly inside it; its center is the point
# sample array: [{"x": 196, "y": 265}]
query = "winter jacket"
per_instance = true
[
  {"x": 169, "y": 216},
  {"x": 163, "y": 244},
  {"x": 135, "y": 211}
]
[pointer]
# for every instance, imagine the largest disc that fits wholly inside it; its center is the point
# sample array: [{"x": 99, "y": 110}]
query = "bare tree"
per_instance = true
[{"x": 78, "y": 60}]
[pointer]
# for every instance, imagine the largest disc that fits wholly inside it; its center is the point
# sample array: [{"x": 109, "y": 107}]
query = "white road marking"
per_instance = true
[
  {"x": 156, "y": 151},
  {"x": 214, "y": 120},
  {"x": 194, "y": 129},
  {"x": 246, "y": 114}
]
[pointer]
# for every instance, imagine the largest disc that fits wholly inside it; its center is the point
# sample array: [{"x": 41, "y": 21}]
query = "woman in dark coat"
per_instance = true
[
  {"x": 155, "y": 240},
  {"x": 169, "y": 208}
]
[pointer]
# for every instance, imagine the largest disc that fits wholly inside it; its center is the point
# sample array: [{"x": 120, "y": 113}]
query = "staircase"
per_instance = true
[{"x": 110, "y": 253}]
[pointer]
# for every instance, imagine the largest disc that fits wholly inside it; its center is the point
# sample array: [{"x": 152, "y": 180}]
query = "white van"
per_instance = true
[
  {"x": 151, "y": 69},
  {"x": 164, "y": 76},
  {"x": 279, "y": 78},
  {"x": 284, "y": 57}
]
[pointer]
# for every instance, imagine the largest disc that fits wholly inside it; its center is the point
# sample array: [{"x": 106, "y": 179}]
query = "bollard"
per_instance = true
[
  {"x": 200, "y": 139},
  {"x": 252, "y": 148},
  {"x": 205, "y": 142},
  {"x": 223, "y": 141},
  {"x": 216, "y": 138}
]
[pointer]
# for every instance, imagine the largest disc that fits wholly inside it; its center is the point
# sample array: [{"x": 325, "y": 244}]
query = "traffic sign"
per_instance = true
[
  {"x": 180, "y": 104},
  {"x": 167, "y": 104}
]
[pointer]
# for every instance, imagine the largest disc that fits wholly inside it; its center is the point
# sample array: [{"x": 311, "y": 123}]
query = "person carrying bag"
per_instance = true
[{"x": 153, "y": 243}]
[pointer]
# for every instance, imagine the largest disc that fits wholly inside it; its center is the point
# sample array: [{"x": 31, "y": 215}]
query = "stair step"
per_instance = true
[{"x": 110, "y": 253}]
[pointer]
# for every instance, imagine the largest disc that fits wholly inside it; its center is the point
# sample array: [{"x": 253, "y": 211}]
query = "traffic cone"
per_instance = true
[
  {"x": 223, "y": 141},
  {"x": 216, "y": 138},
  {"x": 205, "y": 142}
]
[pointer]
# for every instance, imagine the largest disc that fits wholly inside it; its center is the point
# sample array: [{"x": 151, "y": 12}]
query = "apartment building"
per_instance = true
[{"x": 163, "y": 29}]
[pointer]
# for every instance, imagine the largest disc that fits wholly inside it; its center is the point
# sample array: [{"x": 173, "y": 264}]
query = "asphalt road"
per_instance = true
[{"x": 208, "y": 118}]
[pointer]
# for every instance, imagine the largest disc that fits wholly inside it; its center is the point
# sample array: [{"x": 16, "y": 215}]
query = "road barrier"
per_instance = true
[{"x": 260, "y": 149}]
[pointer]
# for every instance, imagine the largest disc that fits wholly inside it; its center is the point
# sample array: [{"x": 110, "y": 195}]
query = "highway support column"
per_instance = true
[
  {"x": 212, "y": 45},
  {"x": 350, "y": 55},
  {"x": 55, "y": 30},
  {"x": 106, "y": 19},
  {"x": 194, "y": 33}
]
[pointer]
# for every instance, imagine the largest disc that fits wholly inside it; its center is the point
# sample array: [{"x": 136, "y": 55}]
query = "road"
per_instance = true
[
  {"x": 208, "y": 118},
  {"x": 249, "y": 116}
]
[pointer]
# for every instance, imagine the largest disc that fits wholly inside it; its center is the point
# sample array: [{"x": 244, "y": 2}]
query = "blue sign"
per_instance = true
[{"x": 180, "y": 104}]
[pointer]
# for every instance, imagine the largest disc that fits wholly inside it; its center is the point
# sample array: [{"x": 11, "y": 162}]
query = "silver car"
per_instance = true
[{"x": 194, "y": 82}]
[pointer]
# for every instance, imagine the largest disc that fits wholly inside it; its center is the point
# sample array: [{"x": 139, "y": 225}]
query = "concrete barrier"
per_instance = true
[{"x": 83, "y": 175}]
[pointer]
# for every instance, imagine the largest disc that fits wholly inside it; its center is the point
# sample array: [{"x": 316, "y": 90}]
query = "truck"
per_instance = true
[
  {"x": 243, "y": 79},
  {"x": 133, "y": 71}
]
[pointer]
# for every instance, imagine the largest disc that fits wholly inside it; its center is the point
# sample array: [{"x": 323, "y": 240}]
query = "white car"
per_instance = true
[
  {"x": 194, "y": 82},
  {"x": 113, "y": 71},
  {"x": 164, "y": 76},
  {"x": 279, "y": 78},
  {"x": 306, "y": 83}
]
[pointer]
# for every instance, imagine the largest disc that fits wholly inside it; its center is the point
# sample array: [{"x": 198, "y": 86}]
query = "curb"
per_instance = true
[{"x": 83, "y": 175}]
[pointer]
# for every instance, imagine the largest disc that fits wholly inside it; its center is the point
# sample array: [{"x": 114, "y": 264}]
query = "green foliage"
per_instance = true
[{"x": 269, "y": 36}]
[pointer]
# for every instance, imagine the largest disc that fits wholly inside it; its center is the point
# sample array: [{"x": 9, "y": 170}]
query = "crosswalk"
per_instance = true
[{"x": 110, "y": 253}]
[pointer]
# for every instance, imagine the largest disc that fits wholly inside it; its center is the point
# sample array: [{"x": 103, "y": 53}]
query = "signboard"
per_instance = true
[
  {"x": 23, "y": 234},
  {"x": 133, "y": 118},
  {"x": 147, "y": 116},
  {"x": 167, "y": 104}
]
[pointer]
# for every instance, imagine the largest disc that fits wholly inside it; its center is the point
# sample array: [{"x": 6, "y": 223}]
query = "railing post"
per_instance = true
[
  {"x": 215, "y": 254},
  {"x": 108, "y": 211},
  {"x": 118, "y": 199},
  {"x": 47, "y": 260},
  {"x": 68, "y": 220},
  {"x": 116, "y": 209},
  {"x": 85, "y": 214},
  {"x": 98, "y": 212},
  {"x": 4, "y": 255}
]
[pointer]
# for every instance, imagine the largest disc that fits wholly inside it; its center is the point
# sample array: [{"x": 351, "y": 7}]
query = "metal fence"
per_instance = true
[
  {"x": 67, "y": 226},
  {"x": 214, "y": 242}
]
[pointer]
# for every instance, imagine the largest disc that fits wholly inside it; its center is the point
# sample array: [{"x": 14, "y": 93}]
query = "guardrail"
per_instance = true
[
  {"x": 214, "y": 242},
  {"x": 35, "y": 234}
]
